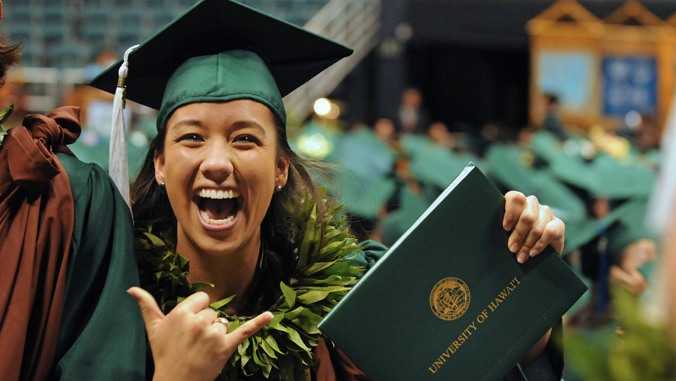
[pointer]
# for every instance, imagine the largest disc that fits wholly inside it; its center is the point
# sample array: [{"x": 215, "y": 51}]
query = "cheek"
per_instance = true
[
  {"x": 179, "y": 170},
  {"x": 259, "y": 165}
]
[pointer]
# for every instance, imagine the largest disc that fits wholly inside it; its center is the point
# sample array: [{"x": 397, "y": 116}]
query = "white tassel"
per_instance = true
[{"x": 118, "y": 167}]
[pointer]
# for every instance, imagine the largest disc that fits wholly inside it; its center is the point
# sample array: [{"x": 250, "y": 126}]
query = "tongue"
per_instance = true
[{"x": 218, "y": 209}]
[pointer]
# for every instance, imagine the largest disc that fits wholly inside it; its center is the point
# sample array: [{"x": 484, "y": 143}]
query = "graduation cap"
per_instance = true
[
  {"x": 399, "y": 221},
  {"x": 505, "y": 164},
  {"x": 605, "y": 176},
  {"x": 437, "y": 166},
  {"x": 364, "y": 154},
  {"x": 565, "y": 204},
  {"x": 624, "y": 223},
  {"x": 221, "y": 50},
  {"x": 363, "y": 197},
  {"x": 415, "y": 145},
  {"x": 629, "y": 228}
]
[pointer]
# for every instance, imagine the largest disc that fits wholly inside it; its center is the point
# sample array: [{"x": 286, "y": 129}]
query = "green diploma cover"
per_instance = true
[{"x": 449, "y": 301}]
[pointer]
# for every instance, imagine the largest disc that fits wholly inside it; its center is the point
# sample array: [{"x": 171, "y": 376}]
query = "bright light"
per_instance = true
[
  {"x": 315, "y": 146},
  {"x": 334, "y": 112},
  {"x": 322, "y": 106}
]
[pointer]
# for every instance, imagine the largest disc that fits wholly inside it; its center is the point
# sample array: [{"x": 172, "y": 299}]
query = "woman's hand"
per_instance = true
[
  {"x": 634, "y": 256},
  {"x": 186, "y": 343},
  {"x": 533, "y": 226}
]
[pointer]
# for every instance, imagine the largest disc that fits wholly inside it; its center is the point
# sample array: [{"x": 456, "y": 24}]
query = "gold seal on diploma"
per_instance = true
[{"x": 449, "y": 298}]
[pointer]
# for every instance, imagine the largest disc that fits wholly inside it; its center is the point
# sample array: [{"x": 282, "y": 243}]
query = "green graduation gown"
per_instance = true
[{"x": 102, "y": 336}]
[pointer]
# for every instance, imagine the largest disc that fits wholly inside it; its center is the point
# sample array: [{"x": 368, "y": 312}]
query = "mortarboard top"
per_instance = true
[
  {"x": 365, "y": 183},
  {"x": 565, "y": 204},
  {"x": 605, "y": 176},
  {"x": 397, "y": 222},
  {"x": 629, "y": 228},
  {"x": 206, "y": 55},
  {"x": 545, "y": 145},
  {"x": 414, "y": 145},
  {"x": 362, "y": 196},
  {"x": 579, "y": 234},
  {"x": 364, "y": 154},
  {"x": 505, "y": 165},
  {"x": 623, "y": 179},
  {"x": 436, "y": 165}
]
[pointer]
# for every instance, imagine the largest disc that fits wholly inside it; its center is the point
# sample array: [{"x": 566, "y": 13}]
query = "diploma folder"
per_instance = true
[{"x": 449, "y": 301}]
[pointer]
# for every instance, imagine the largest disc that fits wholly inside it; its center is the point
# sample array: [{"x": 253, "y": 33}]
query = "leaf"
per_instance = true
[
  {"x": 155, "y": 240},
  {"x": 295, "y": 338},
  {"x": 312, "y": 297},
  {"x": 331, "y": 280},
  {"x": 273, "y": 343},
  {"x": 5, "y": 113},
  {"x": 256, "y": 356},
  {"x": 293, "y": 314},
  {"x": 199, "y": 286},
  {"x": 243, "y": 351},
  {"x": 289, "y": 294},
  {"x": 222, "y": 303},
  {"x": 331, "y": 247},
  {"x": 268, "y": 349},
  {"x": 3, "y": 132},
  {"x": 183, "y": 261},
  {"x": 277, "y": 326},
  {"x": 342, "y": 268},
  {"x": 317, "y": 267},
  {"x": 307, "y": 240},
  {"x": 322, "y": 191}
]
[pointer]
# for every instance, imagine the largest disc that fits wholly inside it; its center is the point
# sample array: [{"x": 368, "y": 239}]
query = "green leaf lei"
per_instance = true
[
  {"x": 319, "y": 277},
  {"x": 5, "y": 113}
]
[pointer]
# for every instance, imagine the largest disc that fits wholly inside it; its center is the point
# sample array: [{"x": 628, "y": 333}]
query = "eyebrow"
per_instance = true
[
  {"x": 236, "y": 125},
  {"x": 187, "y": 122},
  {"x": 250, "y": 123}
]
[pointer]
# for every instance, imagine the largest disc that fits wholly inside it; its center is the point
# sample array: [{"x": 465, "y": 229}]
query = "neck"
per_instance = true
[{"x": 231, "y": 274}]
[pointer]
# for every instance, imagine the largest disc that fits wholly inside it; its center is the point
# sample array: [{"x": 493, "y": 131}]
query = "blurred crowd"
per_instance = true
[{"x": 597, "y": 181}]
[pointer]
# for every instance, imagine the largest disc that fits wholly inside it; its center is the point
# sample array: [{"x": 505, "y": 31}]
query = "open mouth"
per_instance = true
[{"x": 218, "y": 207}]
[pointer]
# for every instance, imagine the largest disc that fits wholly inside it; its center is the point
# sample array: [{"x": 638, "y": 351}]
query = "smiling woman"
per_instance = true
[
  {"x": 212, "y": 153},
  {"x": 222, "y": 205}
]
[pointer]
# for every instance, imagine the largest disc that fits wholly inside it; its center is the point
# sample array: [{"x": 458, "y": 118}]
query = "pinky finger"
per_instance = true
[
  {"x": 248, "y": 329},
  {"x": 553, "y": 234}
]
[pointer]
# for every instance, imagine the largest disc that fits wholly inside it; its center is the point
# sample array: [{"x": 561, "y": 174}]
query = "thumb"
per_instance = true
[{"x": 152, "y": 315}]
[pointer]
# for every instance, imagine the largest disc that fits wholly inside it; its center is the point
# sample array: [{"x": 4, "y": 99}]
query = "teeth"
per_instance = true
[
  {"x": 209, "y": 221},
  {"x": 218, "y": 195}
]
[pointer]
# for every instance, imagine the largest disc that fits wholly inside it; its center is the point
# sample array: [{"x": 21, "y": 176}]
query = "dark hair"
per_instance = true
[
  {"x": 9, "y": 56},
  {"x": 150, "y": 203}
]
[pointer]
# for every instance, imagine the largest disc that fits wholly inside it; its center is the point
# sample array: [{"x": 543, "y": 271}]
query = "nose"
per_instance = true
[{"x": 217, "y": 162}]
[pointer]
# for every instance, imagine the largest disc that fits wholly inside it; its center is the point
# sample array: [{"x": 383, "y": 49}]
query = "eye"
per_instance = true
[
  {"x": 191, "y": 138},
  {"x": 246, "y": 139}
]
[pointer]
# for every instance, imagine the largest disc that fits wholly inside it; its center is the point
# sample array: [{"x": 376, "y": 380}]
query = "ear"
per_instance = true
[
  {"x": 282, "y": 174},
  {"x": 158, "y": 160}
]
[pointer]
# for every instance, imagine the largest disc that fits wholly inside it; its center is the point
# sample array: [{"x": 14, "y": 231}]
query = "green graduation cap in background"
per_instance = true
[
  {"x": 505, "y": 165},
  {"x": 366, "y": 183},
  {"x": 605, "y": 176},
  {"x": 220, "y": 50}
]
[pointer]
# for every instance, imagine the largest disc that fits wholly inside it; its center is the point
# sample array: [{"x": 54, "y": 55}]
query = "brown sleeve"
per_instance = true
[
  {"x": 36, "y": 226},
  {"x": 331, "y": 364}
]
